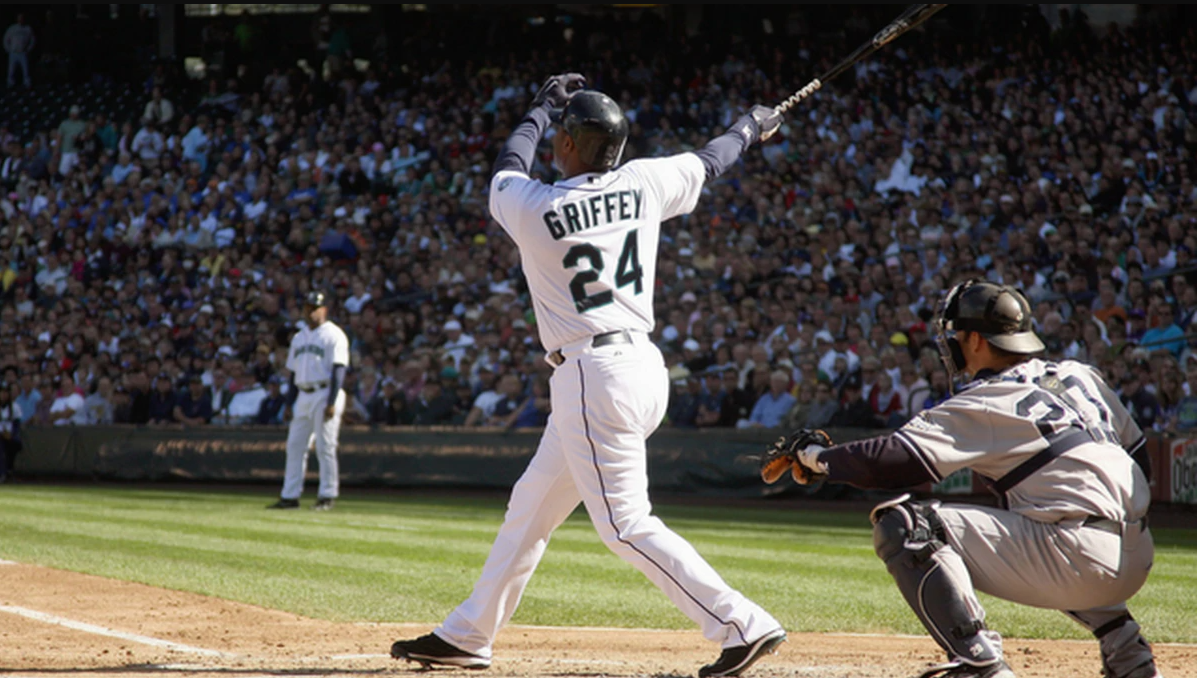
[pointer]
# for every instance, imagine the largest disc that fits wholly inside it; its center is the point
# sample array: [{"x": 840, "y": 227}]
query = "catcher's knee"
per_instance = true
[{"x": 904, "y": 526}]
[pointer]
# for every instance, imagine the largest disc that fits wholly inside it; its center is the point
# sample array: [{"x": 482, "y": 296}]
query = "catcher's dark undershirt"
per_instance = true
[{"x": 880, "y": 463}]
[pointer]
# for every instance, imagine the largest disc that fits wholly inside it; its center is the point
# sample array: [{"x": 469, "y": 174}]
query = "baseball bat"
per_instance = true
[{"x": 913, "y": 16}]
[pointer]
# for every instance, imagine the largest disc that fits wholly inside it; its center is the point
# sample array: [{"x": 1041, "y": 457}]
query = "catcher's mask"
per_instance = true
[{"x": 999, "y": 313}]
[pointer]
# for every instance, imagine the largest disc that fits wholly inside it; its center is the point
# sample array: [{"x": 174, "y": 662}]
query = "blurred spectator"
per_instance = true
[
  {"x": 389, "y": 407},
  {"x": 854, "y": 410},
  {"x": 1141, "y": 403},
  {"x": 1185, "y": 419},
  {"x": 193, "y": 406},
  {"x": 433, "y": 406},
  {"x": 162, "y": 402},
  {"x": 159, "y": 109},
  {"x": 1164, "y": 333},
  {"x": 10, "y": 431},
  {"x": 737, "y": 402},
  {"x": 534, "y": 413},
  {"x": 148, "y": 144},
  {"x": 714, "y": 392},
  {"x": 483, "y": 406},
  {"x": 69, "y": 131},
  {"x": 823, "y": 408},
  {"x": 506, "y": 409},
  {"x": 18, "y": 42},
  {"x": 772, "y": 405},
  {"x": 684, "y": 402},
  {"x": 28, "y": 397},
  {"x": 42, "y": 415},
  {"x": 99, "y": 404},
  {"x": 885, "y": 399},
  {"x": 68, "y": 407},
  {"x": 270, "y": 410}
]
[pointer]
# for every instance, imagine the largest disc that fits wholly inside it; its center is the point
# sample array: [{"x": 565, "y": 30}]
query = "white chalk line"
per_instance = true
[
  {"x": 111, "y": 633},
  {"x": 9, "y": 562}
]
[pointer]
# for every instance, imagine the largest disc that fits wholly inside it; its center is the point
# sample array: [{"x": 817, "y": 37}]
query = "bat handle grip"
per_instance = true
[{"x": 801, "y": 94}]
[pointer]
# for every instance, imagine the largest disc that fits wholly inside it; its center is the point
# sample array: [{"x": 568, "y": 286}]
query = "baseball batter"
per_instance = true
[
  {"x": 1059, "y": 450},
  {"x": 317, "y": 360},
  {"x": 588, "y": 244}
]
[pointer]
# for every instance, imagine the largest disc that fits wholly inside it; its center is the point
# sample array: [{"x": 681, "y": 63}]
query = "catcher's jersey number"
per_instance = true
[
  {"x": 1065, "y": 399},
  {"x": 627, "y": 272}
]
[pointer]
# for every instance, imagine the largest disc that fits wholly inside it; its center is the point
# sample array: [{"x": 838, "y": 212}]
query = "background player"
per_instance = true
[
  {"x": 1053, "y": 439},
  {"x": 317, "y": 360},
  {"x": 588, "y": 244}
]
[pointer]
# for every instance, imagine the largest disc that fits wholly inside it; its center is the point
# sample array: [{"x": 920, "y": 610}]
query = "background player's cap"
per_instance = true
[{"x": 315, "y": 298}]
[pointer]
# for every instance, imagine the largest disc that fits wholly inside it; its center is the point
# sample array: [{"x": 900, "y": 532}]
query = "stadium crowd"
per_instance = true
[{"x": 152, "y": 269}]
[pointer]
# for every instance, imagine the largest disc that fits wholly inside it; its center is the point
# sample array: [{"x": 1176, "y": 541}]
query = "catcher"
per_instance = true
[{"x": 1062, "y": 454}]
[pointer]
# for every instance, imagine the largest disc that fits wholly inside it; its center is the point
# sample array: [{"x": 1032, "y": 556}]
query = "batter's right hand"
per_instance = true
[
  {"x": 287, "y": 414},
  {"x": 557, "y": 90}
]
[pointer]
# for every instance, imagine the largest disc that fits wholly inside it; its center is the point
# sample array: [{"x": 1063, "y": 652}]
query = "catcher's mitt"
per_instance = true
[{"x": 787, "y": 455}]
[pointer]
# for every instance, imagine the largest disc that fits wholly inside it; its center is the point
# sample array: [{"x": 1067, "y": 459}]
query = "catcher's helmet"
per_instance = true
[
  {"x": 999, "y": 313},
  {"x": 316, "y": 299},
  {"x": 598, "y": 127}
]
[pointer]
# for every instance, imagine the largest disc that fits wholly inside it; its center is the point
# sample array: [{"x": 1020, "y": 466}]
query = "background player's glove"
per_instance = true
[
  {"x": 759, "y": 124},
  {"x": 557, "y": 90},
  {"x": 797, "y": 453}
]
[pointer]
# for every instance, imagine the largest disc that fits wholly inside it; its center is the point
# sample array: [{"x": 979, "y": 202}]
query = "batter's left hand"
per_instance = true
[
  {"x": 557, "y": 90},
  {"x": 329, "y": 411}
]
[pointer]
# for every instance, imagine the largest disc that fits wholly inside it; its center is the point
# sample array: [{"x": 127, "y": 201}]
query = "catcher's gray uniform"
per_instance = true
[{"x": 1054, "y": 442}]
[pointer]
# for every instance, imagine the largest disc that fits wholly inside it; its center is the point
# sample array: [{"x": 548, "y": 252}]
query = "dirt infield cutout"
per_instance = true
[{"x": 56, "y": 622}]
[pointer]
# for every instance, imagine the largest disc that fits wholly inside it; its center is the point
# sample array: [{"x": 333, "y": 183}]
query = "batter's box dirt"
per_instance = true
[{"x": 54, "y": 622}]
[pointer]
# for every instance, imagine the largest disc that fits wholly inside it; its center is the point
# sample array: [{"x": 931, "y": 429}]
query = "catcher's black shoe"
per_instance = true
[
  {"x": 958, "y": 669},
  {"x": 430, "y": 650},
  {"x": 285, "y": 504},
  {"x": 736, "y": 660},
  {"x": 323, "y": 504}
]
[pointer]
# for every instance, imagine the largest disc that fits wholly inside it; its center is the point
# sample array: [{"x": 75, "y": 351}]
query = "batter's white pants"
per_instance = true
[
  {"x": 1085, "y": 572},
  {"x": 308, "y": 421},
  {"x": 605, "y": 403}
]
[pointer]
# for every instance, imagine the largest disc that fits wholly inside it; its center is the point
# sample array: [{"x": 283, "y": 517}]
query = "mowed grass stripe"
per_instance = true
[{"x": 400, "y": 557}]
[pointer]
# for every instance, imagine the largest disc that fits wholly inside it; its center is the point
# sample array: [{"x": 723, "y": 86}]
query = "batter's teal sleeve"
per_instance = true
[
  {"x": 520, "y": 148},
  {"x": 721, "y": 153},
  {"x": 292, "y": 391},
  {"x": 334, "y": 384}
]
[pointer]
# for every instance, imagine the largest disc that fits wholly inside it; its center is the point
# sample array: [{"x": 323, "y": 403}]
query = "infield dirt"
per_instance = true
[{"x": 252, "y": 641}]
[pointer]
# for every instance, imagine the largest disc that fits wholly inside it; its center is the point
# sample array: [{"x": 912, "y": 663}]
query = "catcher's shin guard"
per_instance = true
[{"x": 909, "y": 537}]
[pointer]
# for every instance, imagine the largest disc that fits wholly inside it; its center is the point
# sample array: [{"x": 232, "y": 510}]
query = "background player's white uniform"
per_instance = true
[
  {"x": 311, "y": 358},
  {"x": 588, "y": 246},
  {"x": 1073, "y": 535}
]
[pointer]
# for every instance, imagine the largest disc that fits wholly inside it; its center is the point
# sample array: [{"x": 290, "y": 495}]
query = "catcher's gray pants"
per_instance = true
[{"x": 1088, "y": 572}]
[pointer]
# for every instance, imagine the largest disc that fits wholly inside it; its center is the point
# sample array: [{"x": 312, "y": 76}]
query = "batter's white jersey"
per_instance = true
[
  {"x": 314, "y": 352},
  {"x": 997, "y": 424},
  {"x": 589, "y": 243}
]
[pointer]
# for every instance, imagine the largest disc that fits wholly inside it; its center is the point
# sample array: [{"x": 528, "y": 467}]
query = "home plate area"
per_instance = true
[{"x": 57, "y": 622}]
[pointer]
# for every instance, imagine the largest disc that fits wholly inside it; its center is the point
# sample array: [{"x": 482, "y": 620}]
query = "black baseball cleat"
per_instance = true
[
  {"x": 430, "y": 650},
  {"x": 958, "y": 669},
  {"x": 736, "y": 660},
  {"x": 323, "y": 504},
  {"x": 285, "y": 504}
]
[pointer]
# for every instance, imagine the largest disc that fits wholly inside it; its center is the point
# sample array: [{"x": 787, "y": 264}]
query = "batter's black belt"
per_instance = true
[
  {"x": 556, "y": 358},
  {"x": 312, "y": 388}
]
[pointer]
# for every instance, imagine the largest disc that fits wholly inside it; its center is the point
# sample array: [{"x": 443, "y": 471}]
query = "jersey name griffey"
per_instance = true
[
  {"x": 996, "y": 424},
  {"x": 588, "y": 244}
]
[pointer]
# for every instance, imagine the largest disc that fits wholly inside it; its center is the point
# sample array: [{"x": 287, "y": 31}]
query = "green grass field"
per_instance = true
[{"x": 396, "y": 557}]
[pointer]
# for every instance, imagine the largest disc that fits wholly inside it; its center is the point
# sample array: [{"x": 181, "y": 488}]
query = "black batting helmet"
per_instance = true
[
  {"x": 316, "y": 299},
  {"x": 999, "y": 313},
  {"x": 598, "y": 127}
]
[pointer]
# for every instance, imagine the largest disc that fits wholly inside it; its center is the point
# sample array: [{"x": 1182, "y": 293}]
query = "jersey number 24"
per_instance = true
[{"x": 627, "y": 272}]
